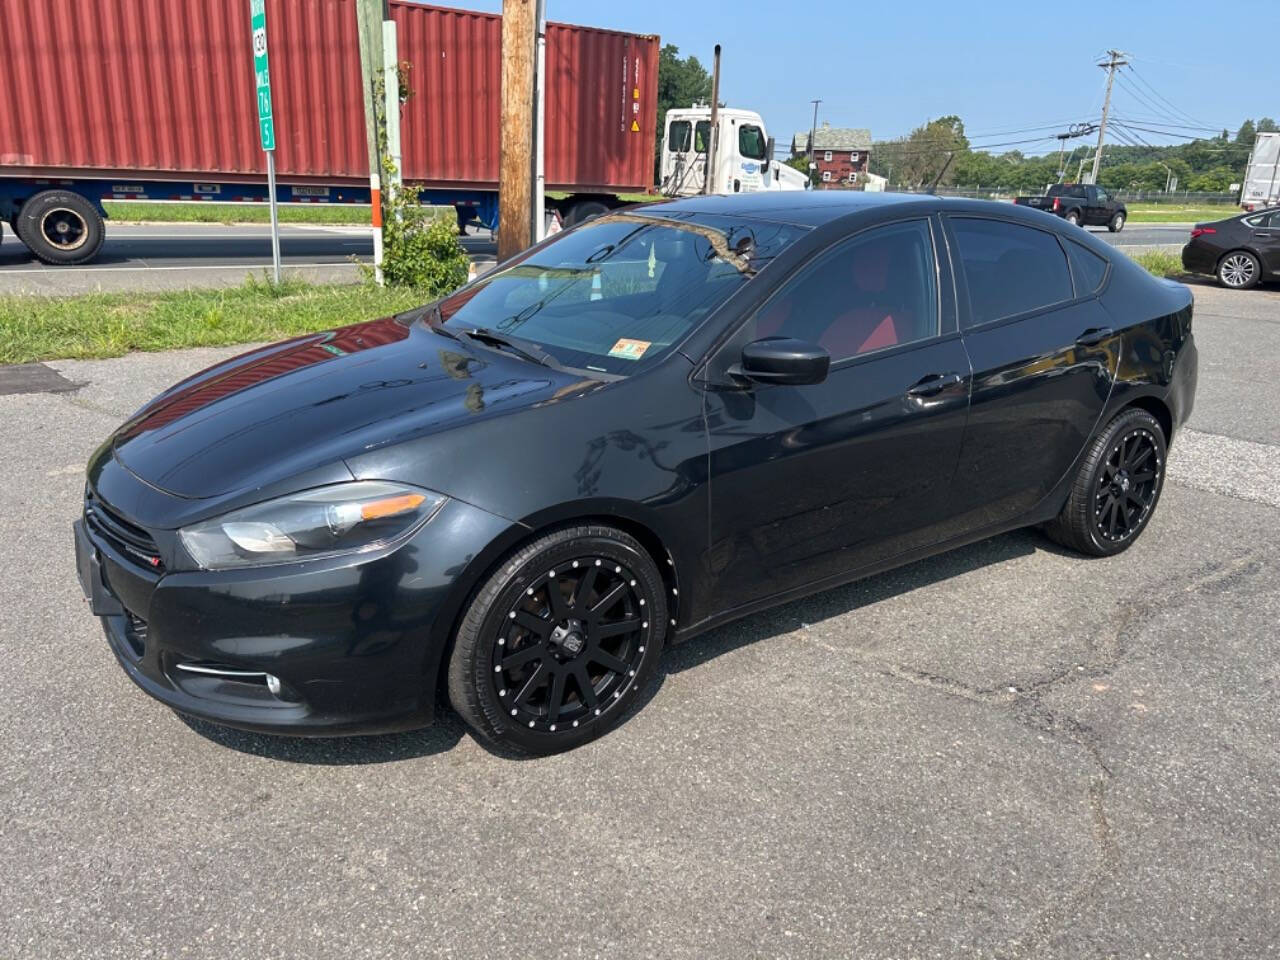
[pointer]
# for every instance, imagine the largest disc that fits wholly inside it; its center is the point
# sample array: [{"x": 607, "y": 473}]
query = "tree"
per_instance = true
[
  {"x": 801, "y": 163},
  {"x": 919, "y": 158},
  {"x": 681, "y": 82},
  {"x": 1246, "y": 133},
  {"x": 1267, "y": 125}
]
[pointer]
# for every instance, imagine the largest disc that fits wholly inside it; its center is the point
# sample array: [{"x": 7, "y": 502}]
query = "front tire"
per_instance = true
[
  {"x": 1117, "y": 223},
  {"x": 1116, "y": 487},
  {"x": 558, "y": 642},
  {"x": 1239, "y": 270}
]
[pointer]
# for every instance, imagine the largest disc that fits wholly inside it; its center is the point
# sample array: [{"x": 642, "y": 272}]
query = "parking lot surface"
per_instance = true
[{"x": 1006, "y": 751}]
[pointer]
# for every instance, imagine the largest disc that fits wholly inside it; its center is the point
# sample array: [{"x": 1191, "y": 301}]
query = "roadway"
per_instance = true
[
  {"x": 181, "y": 255},
  {"x": 176, "y": 256}
]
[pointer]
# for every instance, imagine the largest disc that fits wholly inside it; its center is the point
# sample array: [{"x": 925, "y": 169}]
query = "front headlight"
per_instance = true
[{"x": 325, "y": 522}]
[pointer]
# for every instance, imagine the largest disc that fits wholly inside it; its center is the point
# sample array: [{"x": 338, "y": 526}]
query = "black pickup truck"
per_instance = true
[{"x": 1080, "y": 203}]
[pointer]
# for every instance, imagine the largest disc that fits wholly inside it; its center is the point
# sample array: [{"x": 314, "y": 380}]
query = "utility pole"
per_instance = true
[
  {"x": 1114, "y": 62},
  {"x": 1062, "y": 149},
  {"x": 369, "y": 16},
  {"x": 515, "y": 163},
  {"x": 713, "y": 140},
  {"x": 813, "y": 133}
]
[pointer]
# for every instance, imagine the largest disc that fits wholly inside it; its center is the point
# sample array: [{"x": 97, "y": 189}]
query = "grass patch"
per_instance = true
[
  {"x": 140, "y": 211},
  {"x": 36, "y": 328},
  {"x": 1160, "y": 262},
  {"x": 1172, "y": 213}
]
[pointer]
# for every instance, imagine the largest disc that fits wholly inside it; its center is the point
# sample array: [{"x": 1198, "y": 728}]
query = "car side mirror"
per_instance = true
[
  {"x": 783, "y": 360},
  {"x": 768, "y": 155}
]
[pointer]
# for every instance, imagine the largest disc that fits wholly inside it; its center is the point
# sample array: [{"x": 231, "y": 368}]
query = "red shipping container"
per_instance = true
[{"x": 164, "y": 89}]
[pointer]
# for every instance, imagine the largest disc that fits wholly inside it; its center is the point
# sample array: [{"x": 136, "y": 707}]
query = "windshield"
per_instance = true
[{"x": 614, "y": 295}]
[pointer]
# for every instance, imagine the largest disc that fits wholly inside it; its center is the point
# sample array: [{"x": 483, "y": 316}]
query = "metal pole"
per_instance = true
[
  {"x": 709, "y": 165},
  {"x": 391, "y": 103},
  {"x": 275, "y": 218},
  {"x": 540, "y": 125},
  {"x": 813, "y": 133}
]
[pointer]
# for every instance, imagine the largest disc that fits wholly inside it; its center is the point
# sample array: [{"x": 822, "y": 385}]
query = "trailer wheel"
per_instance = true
[
  {"x": 61, "y": 228},
  {"x": 584, "y": 210}
]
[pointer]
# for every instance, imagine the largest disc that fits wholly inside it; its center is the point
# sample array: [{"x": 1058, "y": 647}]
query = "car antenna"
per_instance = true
[{"x": 933, "y": 188}]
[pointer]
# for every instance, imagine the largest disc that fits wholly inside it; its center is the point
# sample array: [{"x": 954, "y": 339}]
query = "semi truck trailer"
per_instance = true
[
  {"x": 1261, "y": 186},
  {"x": 155, "y": 100}
]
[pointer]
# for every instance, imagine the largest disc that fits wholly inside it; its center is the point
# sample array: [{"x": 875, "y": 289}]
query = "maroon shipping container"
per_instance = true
[{"x": 163, "y": 89}]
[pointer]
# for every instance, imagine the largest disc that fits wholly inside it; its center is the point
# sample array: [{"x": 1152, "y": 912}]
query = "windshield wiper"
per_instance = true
[{"x": 521, "y": 348}]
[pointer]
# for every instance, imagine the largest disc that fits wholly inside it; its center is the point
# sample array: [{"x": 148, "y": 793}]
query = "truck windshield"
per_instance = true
[{"x": 615, "y": 295}]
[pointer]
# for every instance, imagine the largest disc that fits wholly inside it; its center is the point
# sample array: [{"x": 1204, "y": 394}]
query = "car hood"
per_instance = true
[{"x": 283, "y": 410}]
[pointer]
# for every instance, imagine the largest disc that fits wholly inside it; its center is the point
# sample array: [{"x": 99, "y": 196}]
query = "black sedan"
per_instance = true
[
  {"x": 652, "y": 424},
  {"x": 1241, "y": 251}
]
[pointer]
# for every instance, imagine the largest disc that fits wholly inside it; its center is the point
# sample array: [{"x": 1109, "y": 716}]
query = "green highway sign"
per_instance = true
[{"x": 262, "y": 74}]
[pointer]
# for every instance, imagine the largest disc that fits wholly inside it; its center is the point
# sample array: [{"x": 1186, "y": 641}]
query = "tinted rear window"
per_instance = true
[
  {"x": 1088, "y": 267},
  {"x": 1060, "y": 190},
  {"x": 1010, "y": 269}
]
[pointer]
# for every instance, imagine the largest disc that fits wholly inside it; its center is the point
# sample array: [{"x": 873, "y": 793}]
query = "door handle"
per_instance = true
[
  {"x": 933, "y": 384},
  {"x": 1093, "y": 336}
]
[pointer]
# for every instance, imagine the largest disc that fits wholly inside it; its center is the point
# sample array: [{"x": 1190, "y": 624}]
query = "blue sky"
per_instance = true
[{"x": 1002, "y": 66}]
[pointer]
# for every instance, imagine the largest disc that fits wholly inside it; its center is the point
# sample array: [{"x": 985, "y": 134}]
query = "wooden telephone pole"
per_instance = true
[{"x": 515, "y": 166}]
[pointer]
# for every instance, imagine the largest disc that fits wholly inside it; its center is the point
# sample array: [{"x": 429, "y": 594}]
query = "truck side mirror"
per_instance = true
[{"x": 768, "y": 155}]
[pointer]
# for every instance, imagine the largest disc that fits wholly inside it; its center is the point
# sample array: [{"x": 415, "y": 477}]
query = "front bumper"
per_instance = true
[{"x": 355, "y": 642}]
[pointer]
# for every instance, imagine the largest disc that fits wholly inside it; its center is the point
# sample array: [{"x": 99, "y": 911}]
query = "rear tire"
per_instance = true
[
  {"x": 1073, "y": 218},
  {"x": 557, "y": 643},
  {"x": 1116, "y": 487},
  {"x": 584, "y": 210},
  {"x": 60, "y": 227},
  {"x": 1239, "y": 270},
  {"x": 1117, "y": 223}
]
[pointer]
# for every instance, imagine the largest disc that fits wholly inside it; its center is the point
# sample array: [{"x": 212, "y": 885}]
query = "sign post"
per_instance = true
[{"x": 266, "y": 122}]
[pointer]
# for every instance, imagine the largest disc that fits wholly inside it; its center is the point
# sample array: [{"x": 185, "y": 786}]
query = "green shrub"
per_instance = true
[
  {"x": 1160, "y": 263},
  {"x": 420, "y": 248}
]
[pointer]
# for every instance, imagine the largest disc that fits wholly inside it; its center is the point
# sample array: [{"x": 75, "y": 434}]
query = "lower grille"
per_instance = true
[{"x": 135, "y": 634}]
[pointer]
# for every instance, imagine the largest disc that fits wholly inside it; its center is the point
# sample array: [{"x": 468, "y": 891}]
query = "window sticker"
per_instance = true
[{"x": 630, "y": 349}]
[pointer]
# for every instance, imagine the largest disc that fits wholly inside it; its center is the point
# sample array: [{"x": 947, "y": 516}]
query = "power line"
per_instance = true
[
  {"x": 1159, "y": 96},
  {"x": 1146, "y": 101}
]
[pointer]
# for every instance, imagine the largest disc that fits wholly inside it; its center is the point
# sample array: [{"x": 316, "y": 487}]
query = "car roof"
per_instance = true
[{"x": 813, "y": 208}]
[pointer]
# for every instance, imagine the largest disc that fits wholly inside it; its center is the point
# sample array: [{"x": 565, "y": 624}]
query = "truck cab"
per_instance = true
[{"x": 743, "y": 160}]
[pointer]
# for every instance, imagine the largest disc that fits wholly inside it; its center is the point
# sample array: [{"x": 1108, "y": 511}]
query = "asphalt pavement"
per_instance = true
[
  {"x": 167, "y": 256},
  {"x": 175, "y": 255},
  {"x": 1006, "y": 751}
]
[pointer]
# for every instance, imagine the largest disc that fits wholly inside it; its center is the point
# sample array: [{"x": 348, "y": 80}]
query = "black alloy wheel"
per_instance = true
[
  {"x": 1126, "y": 485},
  {"x": 559, "y": 641},
  {"x": 1116, "y": 488}
]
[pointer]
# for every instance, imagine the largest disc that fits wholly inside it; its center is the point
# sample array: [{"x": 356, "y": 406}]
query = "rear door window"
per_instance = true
[
  {"x": 1088, "y": 269},
  {"x": 1009, "y": 269}
]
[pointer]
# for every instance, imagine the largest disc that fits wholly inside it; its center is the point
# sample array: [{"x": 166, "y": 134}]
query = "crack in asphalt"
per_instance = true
[{"x": 1025, "y": 702}]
